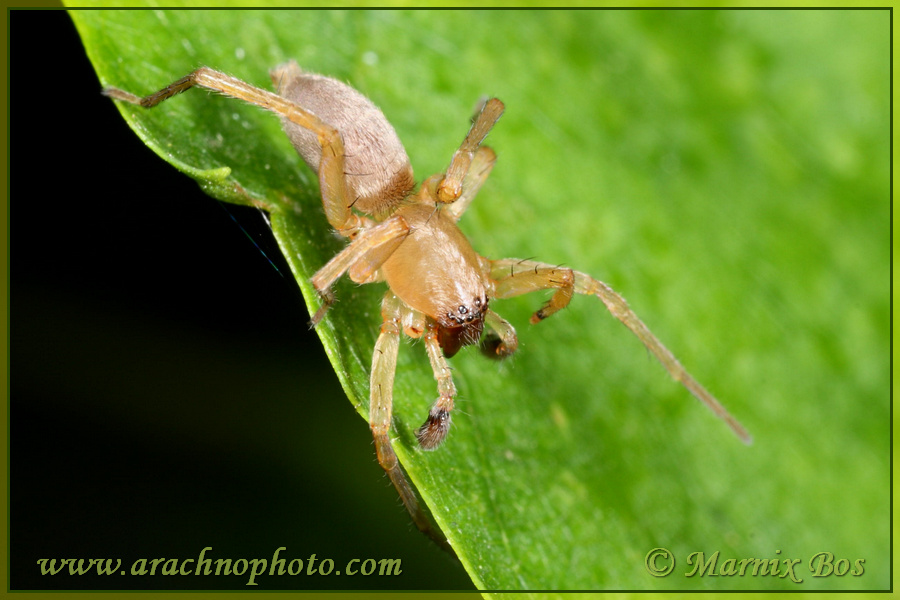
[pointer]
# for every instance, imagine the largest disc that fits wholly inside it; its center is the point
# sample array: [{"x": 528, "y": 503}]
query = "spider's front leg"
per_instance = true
[
  {"x": 435, "y": 428},
  {"x": 514, "y": 277},
  {"x": 381, "y": 397}
]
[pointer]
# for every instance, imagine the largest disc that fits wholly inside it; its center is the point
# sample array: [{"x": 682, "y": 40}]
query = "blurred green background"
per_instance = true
[{"x": 726, "y": 171}]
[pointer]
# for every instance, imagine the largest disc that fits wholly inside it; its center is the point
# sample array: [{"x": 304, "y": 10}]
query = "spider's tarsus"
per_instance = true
[
  {"x": 434, "y": 429},
  {"x": 539, "y": 316},
  {"x": 117, "y": 94},
  {"x": 317, "y": 318},
  {"x": 328, "y": 299}
]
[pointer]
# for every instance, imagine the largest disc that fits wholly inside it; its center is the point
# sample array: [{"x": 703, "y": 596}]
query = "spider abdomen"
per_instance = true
[{"x": 377, "y": 170}]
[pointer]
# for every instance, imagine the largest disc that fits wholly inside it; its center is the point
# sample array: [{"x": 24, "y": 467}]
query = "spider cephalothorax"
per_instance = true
[{"x": 439, "y": 288}]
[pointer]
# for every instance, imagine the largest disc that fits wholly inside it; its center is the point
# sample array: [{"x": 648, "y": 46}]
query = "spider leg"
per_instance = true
[
  {"x": 435, "y": 428},
  {"x": 451, "y": 187},
  {"x": 331, "y": 166},
  {"x": 482, "y": 163},
  {"x": 384, "y": 365},
  {"x": 513, "y": 277},
  {"x": 362, "y": 257}
]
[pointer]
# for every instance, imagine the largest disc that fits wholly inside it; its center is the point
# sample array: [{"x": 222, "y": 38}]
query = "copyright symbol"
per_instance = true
[{"x": 654, "y": 568}]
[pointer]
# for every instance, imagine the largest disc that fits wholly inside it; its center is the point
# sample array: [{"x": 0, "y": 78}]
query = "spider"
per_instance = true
[{"x": 439, "y": 289}]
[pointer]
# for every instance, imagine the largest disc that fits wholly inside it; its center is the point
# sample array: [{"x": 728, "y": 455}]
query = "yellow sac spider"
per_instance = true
[{"x": 439, "y": 288}]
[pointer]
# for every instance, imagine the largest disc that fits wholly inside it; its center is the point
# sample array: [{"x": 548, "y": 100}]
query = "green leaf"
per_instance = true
[{"x": 727, "y": 172}]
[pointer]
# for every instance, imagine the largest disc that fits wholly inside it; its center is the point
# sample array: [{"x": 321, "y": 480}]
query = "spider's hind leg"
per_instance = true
[{"x": 332, "y": 181}]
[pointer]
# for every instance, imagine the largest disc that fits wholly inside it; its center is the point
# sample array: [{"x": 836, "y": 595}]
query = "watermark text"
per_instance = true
[{"x": 208, "y": 564}]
